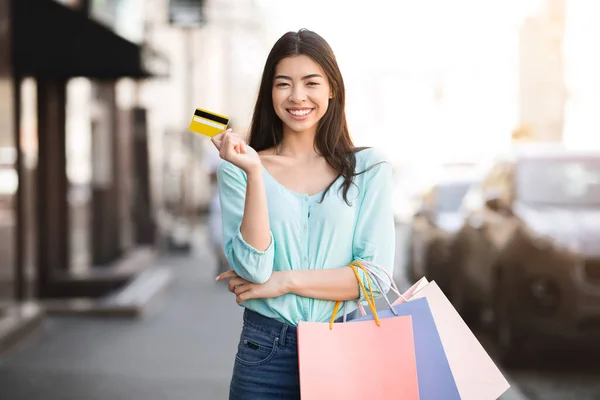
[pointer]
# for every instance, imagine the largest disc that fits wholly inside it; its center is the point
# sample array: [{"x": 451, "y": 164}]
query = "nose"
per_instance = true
[{"x": 298, "y": 94}]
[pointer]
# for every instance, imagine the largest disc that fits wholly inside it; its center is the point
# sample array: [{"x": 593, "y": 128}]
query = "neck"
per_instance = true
[{"x": 297, "y": 145}]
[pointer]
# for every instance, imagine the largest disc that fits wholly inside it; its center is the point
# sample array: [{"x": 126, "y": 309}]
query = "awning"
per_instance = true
[{"x": 51, "y": 40}]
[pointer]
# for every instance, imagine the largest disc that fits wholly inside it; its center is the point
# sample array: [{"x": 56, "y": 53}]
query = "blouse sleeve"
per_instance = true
[
  {"x": 375, "y": 232},
  {"x": 249, "y": 263}
]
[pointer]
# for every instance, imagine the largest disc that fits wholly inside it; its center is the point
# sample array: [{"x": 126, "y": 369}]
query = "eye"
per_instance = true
[
  {"x": 313, "y": 83},
  {"x": 281, "y": 84}
]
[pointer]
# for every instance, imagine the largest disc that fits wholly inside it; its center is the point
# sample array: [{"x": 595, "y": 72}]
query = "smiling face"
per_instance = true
[{"x": 300, "y": 94}]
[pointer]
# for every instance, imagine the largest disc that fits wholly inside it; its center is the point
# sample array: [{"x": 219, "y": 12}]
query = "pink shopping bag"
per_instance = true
[
  {"x": 476, "y": 375},
  {"x": 358, "y": 360}
]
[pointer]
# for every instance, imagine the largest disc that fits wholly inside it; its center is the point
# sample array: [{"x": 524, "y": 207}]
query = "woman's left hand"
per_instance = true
[{"x": 276, "y": 286}]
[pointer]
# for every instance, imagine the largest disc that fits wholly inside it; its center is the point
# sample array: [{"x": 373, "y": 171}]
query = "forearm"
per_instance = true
[
  {"x": 255, "y": 227},
  {"x": 328, "y": 284}
]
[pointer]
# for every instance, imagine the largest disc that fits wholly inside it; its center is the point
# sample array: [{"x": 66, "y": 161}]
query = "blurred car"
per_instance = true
[
  {"x": 529, "y": 251},
  {"x": 437, "y": 219}
]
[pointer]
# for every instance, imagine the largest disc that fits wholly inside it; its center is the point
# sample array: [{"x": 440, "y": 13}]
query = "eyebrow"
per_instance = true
[{"x": 303, "y": 78}]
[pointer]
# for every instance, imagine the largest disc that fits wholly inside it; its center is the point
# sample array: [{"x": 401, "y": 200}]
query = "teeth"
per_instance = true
[{"x": 299, "y": 113}]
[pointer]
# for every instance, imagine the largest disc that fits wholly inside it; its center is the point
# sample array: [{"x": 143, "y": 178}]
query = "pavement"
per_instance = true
[{"x": 182, "y": 350}]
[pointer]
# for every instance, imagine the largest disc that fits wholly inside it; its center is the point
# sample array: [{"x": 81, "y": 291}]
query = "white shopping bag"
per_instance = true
[{"x": 477, "y": 376}]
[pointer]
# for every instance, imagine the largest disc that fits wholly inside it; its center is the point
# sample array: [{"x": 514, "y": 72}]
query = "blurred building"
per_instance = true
[
  {"x": 542, "y": 92},
  {"x": 97, "y": 165},
  {"x": 76, "y": 219},
  {"x": 582, "y": 71},
  {"x": 216, "y": 65}
]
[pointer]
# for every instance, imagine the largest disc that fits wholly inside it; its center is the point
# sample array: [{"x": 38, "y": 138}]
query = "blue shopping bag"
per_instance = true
[{"x": 436, "y": 381}]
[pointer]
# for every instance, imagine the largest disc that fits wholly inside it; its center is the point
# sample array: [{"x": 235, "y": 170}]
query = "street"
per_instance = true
[
  {"x": 185, "y": 349},
  {"x": 563, "y": 378}
]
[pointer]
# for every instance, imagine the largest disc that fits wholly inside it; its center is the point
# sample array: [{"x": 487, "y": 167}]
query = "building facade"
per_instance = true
[
  {"x": 74, "y": 159},
  {"x": 542, "y": 89},
  {"x": 97, "y": 163}
]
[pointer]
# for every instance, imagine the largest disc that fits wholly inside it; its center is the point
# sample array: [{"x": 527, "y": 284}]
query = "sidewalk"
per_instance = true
[{"x": 184, "y": 350}]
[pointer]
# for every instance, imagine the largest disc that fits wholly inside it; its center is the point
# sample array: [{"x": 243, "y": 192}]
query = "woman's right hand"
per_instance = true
[{"x": 232, "y": 148}]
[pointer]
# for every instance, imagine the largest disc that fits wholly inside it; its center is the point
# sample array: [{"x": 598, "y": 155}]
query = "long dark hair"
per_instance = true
[{"x": 333, "y": 139}]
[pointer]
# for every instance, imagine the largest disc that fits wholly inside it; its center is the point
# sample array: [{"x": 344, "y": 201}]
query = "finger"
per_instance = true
[
  {"x": 241, "y": 289},
  {"x": 236, "y": 282},
  {"x": 228, "y": 146},
  {"x": 217, "y": 140},
  {"x": 243, "y": 297},
  {"x": 232, "y": 146},
  {"x": 232, "y": 288},
  {"x": 226, "y": 275},
  {"x": 223, "y": 148},
  {"x": 225, "y": 140},
  {"x": 226, "y": 133},
  {"x": 230, "y": 132}
]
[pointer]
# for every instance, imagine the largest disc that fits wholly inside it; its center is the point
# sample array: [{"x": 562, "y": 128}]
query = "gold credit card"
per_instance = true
[{"x": 208, "y": 123}]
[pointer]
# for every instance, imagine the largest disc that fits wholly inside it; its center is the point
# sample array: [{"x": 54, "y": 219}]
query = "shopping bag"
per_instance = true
[
  {"x": 477, "y": 376},
  {"x": 435, "y": 377},
  {"x": 372, "y": 359},
  {"x": 420, "y": 284}
]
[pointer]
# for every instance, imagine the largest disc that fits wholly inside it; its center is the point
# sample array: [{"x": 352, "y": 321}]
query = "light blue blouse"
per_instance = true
[{"x": 307, "y": 234}]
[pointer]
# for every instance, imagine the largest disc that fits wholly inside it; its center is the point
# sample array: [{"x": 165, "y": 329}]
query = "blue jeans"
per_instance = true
[{"x": 266, "y": 364}]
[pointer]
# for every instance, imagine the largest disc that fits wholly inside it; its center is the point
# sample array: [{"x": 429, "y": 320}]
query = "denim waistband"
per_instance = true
[{"x": 287, "y": 333}]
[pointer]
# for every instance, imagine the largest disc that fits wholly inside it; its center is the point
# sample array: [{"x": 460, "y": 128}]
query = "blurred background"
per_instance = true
[{"x": 109, "y": 223}]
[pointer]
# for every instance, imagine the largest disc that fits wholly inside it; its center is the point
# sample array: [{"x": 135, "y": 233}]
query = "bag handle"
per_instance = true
[
  {"x": 372, "y": 269},
  {"x": 392, "y": 285},
  {"x": 378, "y": 281},
  {"x": 368, "y": 295}
]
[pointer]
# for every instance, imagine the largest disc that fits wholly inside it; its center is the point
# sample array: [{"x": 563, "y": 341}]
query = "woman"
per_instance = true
[{"x": 299, "y": 203}]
